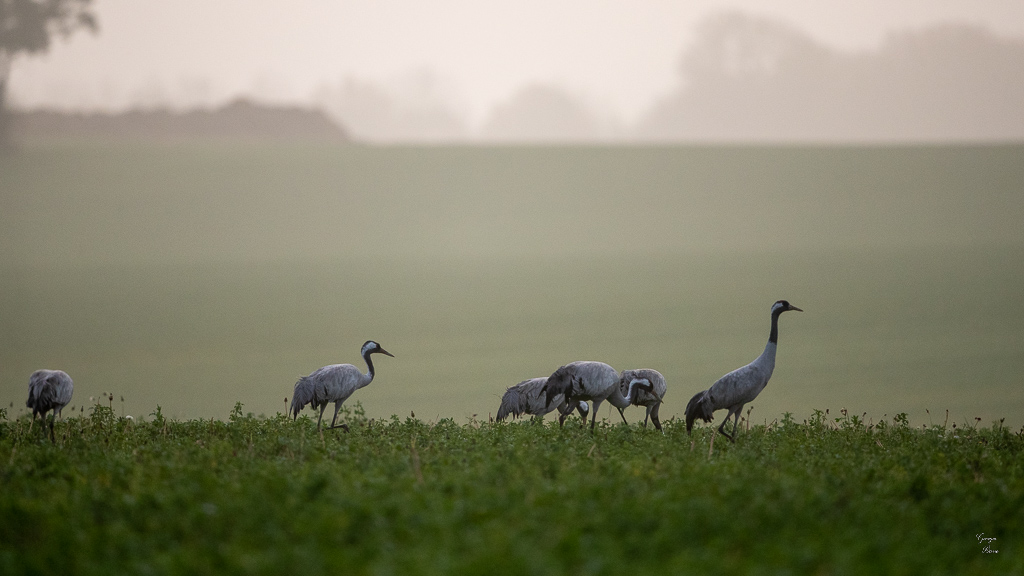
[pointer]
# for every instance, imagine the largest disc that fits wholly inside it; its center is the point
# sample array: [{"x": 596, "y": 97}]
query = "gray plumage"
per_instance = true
[
  {"x": 648, "y": 398},
  {"x": 740, "y": 386},
  {"x": 334, "y": 383},
  {"x": 594, "y": 381},
  {"x": 49, "y": 390},
  {"x": 526, "y": 398}
]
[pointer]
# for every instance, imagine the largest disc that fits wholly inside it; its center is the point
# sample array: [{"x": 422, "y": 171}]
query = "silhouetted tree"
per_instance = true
[
  {"x": 749, "y": 78},
  {"x": 413, "y": 110},
  {"x": 541, "y": 113},
  {"x": 27, "y": 27}
]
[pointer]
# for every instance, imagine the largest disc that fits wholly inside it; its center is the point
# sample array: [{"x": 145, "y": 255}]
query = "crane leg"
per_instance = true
[
  {"x": 334, "y": 422},
  {"x": 735, "y": 414},
  {"x": 321, "y": 416},
  {"x": 337, "y": 408},
  {"x": 593, "y": 417},
  {"x": 721, "y": 429},
  {"x": 736, "y": 419},
  {"x": 654, "y": 417},
  {"x": 622, "y": 412}
]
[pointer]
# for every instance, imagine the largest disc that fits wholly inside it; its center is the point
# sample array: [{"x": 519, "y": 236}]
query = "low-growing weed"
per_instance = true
[{"x": 258, "y": 494}]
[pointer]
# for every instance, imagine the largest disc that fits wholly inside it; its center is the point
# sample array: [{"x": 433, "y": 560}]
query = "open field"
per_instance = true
[
  {"x": 196, "y": 277},
  {"x": 401, "y": 496}
]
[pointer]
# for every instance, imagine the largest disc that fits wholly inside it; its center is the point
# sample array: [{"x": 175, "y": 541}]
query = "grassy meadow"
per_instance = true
[
  {"x": 250, "y": 495},
  {"x": 189, "y": 286},
  {"x": 194, "y": 277}
]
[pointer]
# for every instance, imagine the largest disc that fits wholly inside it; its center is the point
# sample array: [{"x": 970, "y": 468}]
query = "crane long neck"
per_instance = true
[
  {"x": 767, "y": 358},
  {"x": 620, "y": 401},
  {"x": 773, "y": 337},
  {"x": 368, "y": 377}
]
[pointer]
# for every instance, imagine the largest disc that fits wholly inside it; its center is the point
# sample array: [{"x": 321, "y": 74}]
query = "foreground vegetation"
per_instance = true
[{"x": 830, "y": 495}]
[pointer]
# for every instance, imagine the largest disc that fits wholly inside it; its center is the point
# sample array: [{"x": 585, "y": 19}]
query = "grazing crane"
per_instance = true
[
  {"x": 649, "y": 398},
  {"x": 334, "y": 383},
  {"x": 526, "y": 398},
  {"x": 594, "y": 381},
  {"x": 740, "y": 386},
  {"x": 49, "y": 390}
]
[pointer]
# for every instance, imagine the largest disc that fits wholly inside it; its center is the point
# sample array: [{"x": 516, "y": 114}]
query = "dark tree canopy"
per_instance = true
[{"x": 29, "y": 25}]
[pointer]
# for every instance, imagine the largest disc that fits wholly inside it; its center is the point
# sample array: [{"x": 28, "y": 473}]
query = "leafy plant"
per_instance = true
[{"x": 400, "y": 495}]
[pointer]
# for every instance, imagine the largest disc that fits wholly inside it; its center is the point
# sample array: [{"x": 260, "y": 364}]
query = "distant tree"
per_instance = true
[
  {"x": 750, "y": 78},
  {"x": 541, "y": 113},
  {"x": 27, "y": 27},
  {"x": 415, "y": 108}
]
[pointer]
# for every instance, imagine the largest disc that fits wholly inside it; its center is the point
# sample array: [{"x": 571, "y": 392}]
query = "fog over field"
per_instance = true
[
  {"x": 196, "y": 276},
  {"x": 512, "y": 186},
  {"x": 566, "y": 71}
]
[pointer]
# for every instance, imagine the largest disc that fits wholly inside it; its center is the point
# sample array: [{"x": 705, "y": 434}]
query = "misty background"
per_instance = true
[
  {"x": 556, "y": 72},
  {"x": 185, "y": 221}
]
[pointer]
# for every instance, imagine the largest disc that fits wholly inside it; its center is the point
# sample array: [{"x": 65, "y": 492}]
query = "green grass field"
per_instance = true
[
  {"x": 189, "y": 287},
  {"x": 401, "y": 496}
]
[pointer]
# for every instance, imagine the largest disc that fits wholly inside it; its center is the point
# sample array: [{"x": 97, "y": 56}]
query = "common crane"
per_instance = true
[
  {"x": 740, "y": 386},
  {"x": 526, "y": 398},
  {"x": 648, "y": 398},
  {"x": 594, "y": 381},
  {"x": 49, "y": 390},
  {"x": 334, "y": 383}
]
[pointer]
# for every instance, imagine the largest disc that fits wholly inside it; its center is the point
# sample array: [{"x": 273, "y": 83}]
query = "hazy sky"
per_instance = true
[{"x": 619, "y": 56}]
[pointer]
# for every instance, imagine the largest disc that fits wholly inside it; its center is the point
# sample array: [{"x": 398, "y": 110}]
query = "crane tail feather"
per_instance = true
[
  {"x": 560, "y": 382},
  {"x": 511, "y": 404},
  {"x": 302, "y": 395},
  {"x": 698, "y": 407}
]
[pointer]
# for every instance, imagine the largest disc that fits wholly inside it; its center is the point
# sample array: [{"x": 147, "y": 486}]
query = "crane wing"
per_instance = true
[
  {"x": 63, "y": 388},
  {"x": 738, "y": 387}
]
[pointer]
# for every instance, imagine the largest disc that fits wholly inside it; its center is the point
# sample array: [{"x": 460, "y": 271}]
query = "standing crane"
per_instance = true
[
  {"x": 526, "y": 398},
  {"x": 648, "y": 398},
  {"x": 334, "y": 383},
  {"x": 49, "y": 390},
  {"x": 594, "y": 381},
  {"x": 740, "y": 386}
]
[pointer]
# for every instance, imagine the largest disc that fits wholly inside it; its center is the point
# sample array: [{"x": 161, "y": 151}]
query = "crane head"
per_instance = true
[
  {"x": 372, "y": 347},
  {"x": 783, "y": 306}
]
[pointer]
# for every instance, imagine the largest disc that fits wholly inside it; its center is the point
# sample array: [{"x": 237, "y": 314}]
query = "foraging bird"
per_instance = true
[
  {"x": 526, "y": 398},
  {"x": 649, "y": 398},
  {"x": 740, "y": 386},
  {"x": 334, "y": 383},
  {"x": 594, "y": 381},
  {"x": 49, "y": 390}
]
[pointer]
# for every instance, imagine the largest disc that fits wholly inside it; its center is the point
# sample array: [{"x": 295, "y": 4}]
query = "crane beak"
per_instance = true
[
  {"x": 385, "y": 352},
  {"x": 791, "y": 307}
]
